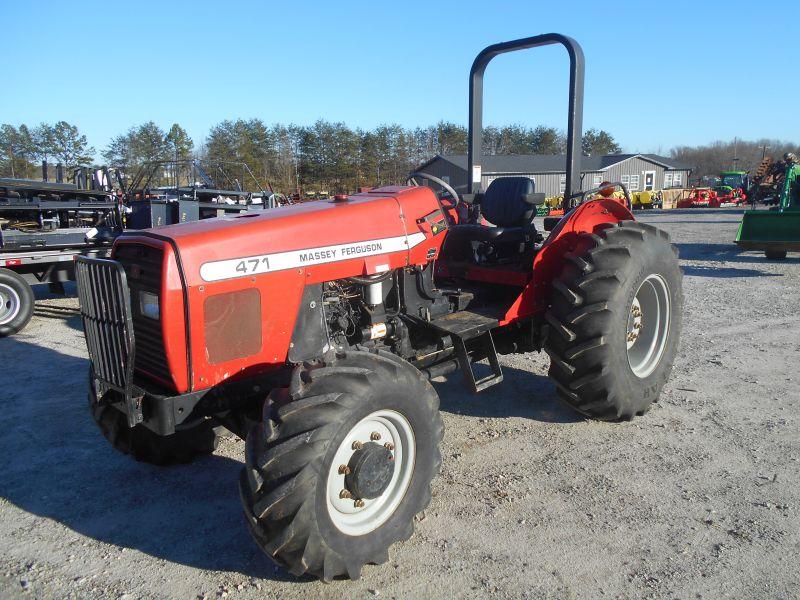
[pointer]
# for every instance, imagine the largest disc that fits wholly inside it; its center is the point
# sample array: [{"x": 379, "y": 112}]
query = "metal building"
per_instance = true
[{"x": 638, "y": 171}]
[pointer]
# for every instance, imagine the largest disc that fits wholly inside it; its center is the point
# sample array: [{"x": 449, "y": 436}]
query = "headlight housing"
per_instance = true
[{"x": 148, "y": 305}]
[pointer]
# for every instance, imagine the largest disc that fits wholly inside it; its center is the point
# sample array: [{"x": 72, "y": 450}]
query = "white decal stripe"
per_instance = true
[{"x": 280, "y": 261}]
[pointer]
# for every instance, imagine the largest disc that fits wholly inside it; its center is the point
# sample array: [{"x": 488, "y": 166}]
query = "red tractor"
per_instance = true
[{"x": 312, "y": 331}]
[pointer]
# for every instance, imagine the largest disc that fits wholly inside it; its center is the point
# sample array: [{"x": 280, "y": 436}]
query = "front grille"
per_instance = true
[
  {"x": 143, "y": 266},
  {"x": 106, "y": 313}
]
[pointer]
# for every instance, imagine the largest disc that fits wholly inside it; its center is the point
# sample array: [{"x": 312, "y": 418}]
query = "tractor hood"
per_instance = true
[{"x": 329, "y": 239}]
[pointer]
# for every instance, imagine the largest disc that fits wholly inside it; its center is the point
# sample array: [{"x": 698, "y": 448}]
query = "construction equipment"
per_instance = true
[
  {"x": 44, "y": 225},
  {"x": 775, "y": 231},
  {"x": 312, "y": 331}
]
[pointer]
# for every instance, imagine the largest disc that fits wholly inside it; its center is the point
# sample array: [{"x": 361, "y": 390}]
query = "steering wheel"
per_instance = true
[{"x": 454, "y": 199}]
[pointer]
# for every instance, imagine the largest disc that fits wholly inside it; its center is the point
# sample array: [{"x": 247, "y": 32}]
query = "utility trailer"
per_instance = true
[{"x": 44, "y": 226}]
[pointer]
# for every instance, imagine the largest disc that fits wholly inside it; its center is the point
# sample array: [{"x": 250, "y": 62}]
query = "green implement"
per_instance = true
[{"x": 775, "y": 231}]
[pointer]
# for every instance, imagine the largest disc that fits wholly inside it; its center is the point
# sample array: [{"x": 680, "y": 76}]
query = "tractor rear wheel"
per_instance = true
[
  {"x": 775, "y": 254},
  {"x": 144, "y": 445},
  {"x": 615, "y": 320},
  {"x": 341, "y": 463}
]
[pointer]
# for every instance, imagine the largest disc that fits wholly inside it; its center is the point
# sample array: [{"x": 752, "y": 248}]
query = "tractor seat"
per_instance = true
[{"x": 510, "y": 204}]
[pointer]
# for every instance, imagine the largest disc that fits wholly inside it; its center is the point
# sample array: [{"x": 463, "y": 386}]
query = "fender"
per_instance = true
[{"x": 589, "y": 217}]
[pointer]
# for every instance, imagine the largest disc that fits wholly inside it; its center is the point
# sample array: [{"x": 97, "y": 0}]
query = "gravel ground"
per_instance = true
[{"x": 699, "y": 498}]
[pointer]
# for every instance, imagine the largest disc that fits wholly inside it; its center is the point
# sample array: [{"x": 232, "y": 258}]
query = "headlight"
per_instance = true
[{"x": 148, "y": 305}]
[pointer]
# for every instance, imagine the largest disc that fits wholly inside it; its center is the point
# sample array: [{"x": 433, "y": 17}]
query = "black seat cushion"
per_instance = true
[{"x": 509, "y": 201}]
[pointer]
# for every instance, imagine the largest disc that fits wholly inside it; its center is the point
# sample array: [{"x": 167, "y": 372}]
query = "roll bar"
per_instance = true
[{"x": 574, "y": 114}]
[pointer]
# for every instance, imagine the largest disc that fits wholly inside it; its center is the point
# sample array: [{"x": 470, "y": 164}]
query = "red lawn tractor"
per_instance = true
[{"x": 312, "y": 331}]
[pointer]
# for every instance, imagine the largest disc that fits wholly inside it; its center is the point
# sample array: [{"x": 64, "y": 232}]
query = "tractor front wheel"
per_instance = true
[
  {"x": 144, "y": 445},
  {"x": 615, "y": 320},
  {"x": 341, "y": 463}
]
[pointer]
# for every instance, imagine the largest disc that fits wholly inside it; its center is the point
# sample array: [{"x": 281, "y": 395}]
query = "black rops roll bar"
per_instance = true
[{"x": 574, "y": 114}]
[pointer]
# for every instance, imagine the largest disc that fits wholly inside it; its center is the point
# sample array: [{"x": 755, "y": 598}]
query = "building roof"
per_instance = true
[{"x": 550, "y": 163}]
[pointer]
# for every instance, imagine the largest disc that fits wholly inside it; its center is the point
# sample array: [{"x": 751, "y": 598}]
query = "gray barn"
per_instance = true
[{"x": 638, "y": 171}]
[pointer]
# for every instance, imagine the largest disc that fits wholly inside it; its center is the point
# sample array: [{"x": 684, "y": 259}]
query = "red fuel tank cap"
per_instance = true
[{"x": 340, "y": 197}]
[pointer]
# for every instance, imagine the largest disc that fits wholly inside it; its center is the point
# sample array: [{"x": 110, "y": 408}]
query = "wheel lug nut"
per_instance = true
[
  {"x": 345, "y": 494},
  {"x": 374, "y": 436},
  {"x": 389, "y": 446},
  {"x": 344, "y": 470},
  {"x": 357, "y": 445},
  {"x": 359, "y": 503}
]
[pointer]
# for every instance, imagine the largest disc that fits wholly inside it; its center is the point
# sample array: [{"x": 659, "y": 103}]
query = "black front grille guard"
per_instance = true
[{"x": 105, "y": 307}]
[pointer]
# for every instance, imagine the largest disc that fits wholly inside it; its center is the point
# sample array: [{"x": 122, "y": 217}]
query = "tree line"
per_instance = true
[
  {"x": 326, "y": 156},
  {"x": 331, "y": 156}
]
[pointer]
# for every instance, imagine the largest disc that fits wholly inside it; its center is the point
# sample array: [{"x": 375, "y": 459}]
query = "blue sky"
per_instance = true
[{"x": 658, "y": 74}]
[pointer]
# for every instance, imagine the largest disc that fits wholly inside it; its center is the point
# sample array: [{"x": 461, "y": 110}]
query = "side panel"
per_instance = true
[{"x": 280, "y": 295}]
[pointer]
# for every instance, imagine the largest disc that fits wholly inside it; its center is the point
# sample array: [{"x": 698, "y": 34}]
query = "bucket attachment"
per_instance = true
[
  {"x": 770, "y": 230},
  {"x": 776, "y": 230}
]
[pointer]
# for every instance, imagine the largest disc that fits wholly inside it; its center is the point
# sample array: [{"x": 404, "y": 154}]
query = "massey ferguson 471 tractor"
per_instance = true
[{"x": 312, "y": 331}]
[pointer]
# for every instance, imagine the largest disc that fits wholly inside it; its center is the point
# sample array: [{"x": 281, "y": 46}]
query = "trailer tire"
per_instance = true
[
  {"x": 293, "y": 480},
  {"x": 607, "y": 362},
  {"x": 775, "y": 254},
  {"x": 146, "y": 446},
  {"x": 16, "y": 303}
]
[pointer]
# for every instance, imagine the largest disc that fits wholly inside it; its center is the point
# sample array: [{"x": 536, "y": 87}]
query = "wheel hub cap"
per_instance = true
[
  {"x": 9, "y": 304},
  {"x": 371, "y": 470},
  {"x": 648, "y": 325}
]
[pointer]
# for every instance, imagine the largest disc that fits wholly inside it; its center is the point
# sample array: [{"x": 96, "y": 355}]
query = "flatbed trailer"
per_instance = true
[
  {"x": 44, "y": 227},
  {"x": 23, "y": 269}
]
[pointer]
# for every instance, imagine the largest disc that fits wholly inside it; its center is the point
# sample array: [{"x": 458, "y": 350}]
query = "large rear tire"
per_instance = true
[
  {"x": 615, "y": 320},
  {"x": 16, "y": 303},
  {"x": 341, "y": 463},
  {"x": 144, "y": 445}
]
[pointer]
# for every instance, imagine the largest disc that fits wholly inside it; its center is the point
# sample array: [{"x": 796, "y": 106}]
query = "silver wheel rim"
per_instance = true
[
  {"x": 354, "y": 516},
  {"x": 10, "y": 304},
  {"x": 648, "y": 326}
]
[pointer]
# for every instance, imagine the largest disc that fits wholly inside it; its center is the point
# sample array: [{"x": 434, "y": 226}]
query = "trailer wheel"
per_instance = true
[
  {"x": 341, "y": 463},
  {"x": 146, "y": 446},
  {"x": 16, "y": 303},
  {"x": 775, "y": 254},
  {"x": 615, "y": 320}
]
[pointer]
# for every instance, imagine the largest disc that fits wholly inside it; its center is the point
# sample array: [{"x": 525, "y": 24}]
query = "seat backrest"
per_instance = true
[{"x": 504, "y": 203}]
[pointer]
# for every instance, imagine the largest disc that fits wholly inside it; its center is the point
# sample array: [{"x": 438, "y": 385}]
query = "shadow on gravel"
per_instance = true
[
  {"x": 520, "y": 394},
  {"x": 71, "y": 316},
  {"x": 727, "y": 253},
  {"x": 725, "y": 272},
  {"x": 57, "y": 465}
]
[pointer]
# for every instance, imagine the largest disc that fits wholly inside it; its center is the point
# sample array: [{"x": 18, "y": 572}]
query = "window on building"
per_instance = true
[
  {"x": 677, "y": 179},
  {"x": 597, "y": 180},
  {"x": 667, "y": 180},
  {"x": 562, "y": 184},
  {"x": 446, "y": 179},
  {"x": 630, "y": 181}
]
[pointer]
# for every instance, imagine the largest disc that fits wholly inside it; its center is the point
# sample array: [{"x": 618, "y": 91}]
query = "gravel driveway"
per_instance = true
[{"x": 699, "y": 498}]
